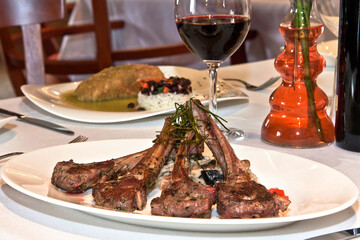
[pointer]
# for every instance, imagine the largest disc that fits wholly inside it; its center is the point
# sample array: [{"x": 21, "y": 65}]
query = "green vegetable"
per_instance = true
[{"x": 183, "y": 121}]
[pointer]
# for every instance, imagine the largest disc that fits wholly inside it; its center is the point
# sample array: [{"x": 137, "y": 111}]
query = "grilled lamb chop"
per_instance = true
[
  {"x": 238, "y": 196},
  {"x": 183, "y": 197},
  {"x": 78, "y": 177},
  {"x": 128, "y": 193}
]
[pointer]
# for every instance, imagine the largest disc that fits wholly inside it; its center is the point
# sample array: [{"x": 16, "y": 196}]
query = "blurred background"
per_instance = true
[
  {"x": 6, "y": 90},
  {"x": 266, "y": 45}
]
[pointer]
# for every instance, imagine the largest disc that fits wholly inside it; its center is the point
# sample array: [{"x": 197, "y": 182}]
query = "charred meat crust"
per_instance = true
[
  {"x": 125, "y": 195},
  {"x": 75, "y": 178},
  {"x": 78, "y": 177},
  {"x": 245, "y": 200},
  {"x": 237, "y": 196},
  {"x": 128, "y": 193},
  {"x": 183, "y": 197}
]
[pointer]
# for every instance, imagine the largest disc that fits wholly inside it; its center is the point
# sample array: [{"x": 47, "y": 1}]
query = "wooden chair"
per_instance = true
[
  {"x": 29, "y": 14},
  {"x": 21, "y": 13},
  {"x": 40, "y": 45}
]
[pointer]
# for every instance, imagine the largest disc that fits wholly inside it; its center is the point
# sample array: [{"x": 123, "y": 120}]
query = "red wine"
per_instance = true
[
  {"x": 213, "y": 37},
  {"x": 347, "y": 123}
]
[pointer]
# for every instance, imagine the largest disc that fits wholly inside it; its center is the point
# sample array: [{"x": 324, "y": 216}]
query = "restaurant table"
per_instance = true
[{"x": 24, "y": 217}]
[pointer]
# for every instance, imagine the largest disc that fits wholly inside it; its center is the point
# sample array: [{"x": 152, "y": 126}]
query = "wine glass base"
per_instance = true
[{"x": 234, "y": 134}]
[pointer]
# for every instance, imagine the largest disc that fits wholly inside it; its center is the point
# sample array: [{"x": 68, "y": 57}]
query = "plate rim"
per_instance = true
[{"x": 173, "y": 220}]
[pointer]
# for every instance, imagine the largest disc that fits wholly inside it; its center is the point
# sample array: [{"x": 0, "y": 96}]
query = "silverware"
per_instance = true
[
  {"x": 10, "y": 154},
  {"x": 251, "y": 87},
  {"x": 79, "y": 138},
  {"x": 350, "y": 234},
  {"x": 38, "y": 122},
  {"x": 355, "y": 233}
]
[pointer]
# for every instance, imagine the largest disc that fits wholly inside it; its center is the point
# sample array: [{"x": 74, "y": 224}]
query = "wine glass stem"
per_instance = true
[{"x": 213, "y": 71}]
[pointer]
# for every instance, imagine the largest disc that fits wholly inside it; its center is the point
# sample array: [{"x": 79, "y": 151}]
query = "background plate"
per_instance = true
[
  {"x": 314, "y": 189},
  {"x": 48, "y": 97}
]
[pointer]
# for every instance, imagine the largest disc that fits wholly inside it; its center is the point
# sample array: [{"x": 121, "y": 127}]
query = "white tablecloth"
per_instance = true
[{"x": 23, "y": 217}]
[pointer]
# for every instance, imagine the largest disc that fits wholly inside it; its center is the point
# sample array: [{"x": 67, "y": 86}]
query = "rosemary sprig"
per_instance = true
[
  {"x": 302, "y": 21},
  {"x": 183, "y": 121}
]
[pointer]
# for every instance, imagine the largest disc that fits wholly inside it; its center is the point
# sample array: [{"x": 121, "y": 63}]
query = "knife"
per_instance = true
[{"x": 38, "y": 122}]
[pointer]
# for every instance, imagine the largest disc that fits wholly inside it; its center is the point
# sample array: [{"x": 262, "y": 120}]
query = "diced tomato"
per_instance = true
[
  {"x": 166, "y": 89},
  {"x": 278, "y": 191},
  {"x": 143, "y": 84},
  {"x": 165, "y": 85}
]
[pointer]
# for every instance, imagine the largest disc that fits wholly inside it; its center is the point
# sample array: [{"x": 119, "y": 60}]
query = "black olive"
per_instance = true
[
  {"x": 211, "y": 177},
  {"x": 145, "y": 91},
  {"x": 199, "y": 156}
]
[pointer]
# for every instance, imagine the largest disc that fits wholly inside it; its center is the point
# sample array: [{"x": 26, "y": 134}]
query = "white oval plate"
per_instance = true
[
  {"x": 314, "y": 189},
  {"x": 48, "y": 97}
]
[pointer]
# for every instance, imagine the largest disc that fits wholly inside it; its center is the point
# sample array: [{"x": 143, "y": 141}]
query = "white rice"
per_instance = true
[{"x": 161, "y": 101}]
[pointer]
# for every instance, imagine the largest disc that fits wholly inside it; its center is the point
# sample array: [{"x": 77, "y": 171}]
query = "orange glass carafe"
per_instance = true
[{"x": 291, "y": 121}]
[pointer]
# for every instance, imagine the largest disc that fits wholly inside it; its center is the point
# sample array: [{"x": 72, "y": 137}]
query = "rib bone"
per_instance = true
[
  {"x": 183, "y": 197},
  {"x": 128, "y": 193},
  {"x": 238, "y": 196},
  {"x": 78, "y": 177}
]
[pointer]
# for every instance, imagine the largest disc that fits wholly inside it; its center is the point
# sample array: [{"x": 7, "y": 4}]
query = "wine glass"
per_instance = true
[
  {"x": 213, "y": 30},
  {"x": 329, "y": 14}
]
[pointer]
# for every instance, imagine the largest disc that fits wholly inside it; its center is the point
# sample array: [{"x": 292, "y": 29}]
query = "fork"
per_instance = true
[
  {"x": 251, "y": 87},
  {"x": 79, "y": 138}
]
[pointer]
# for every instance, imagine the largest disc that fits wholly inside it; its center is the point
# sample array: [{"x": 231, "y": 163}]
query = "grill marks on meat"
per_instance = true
[
  {"x": 238, "y": 196},
  {"x": 128, "y": 193},
  {"x": 183, "y": 197}
]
